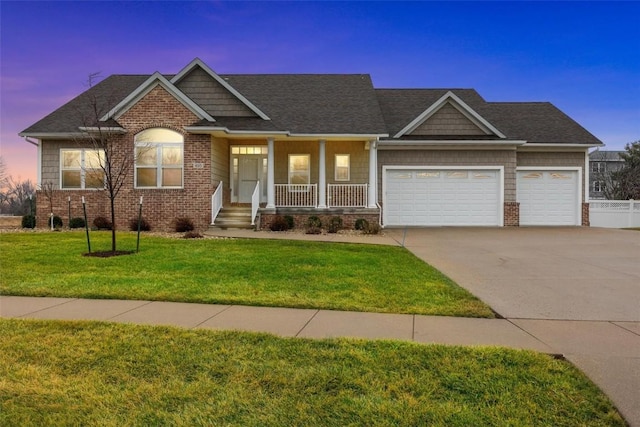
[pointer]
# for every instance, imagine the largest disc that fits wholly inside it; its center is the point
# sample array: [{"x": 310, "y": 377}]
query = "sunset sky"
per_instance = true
[{"x": 584, "y": 57}]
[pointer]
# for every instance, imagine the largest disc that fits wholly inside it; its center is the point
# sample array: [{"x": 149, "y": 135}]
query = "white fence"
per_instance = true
[{"x": 614, "y": 213}]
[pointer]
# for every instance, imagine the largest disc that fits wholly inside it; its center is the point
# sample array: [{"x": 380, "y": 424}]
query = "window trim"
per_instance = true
[
  {"x": 335, "y": 168},
  {"x": 82, "y": 169},
  {"x": 290, "y": 173},
  {"x": 158, "y": 146}
]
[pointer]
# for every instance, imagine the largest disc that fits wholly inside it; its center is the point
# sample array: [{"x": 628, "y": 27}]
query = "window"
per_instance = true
[
  {"x": 159, "y": 159},
  {"x": 597, "y": 186},
  {"x": 80, "y": 168},
  {"x": 299, "y": 172},
  {"x": 342, "y": 169},
  {"x": 598, "y": 167}
]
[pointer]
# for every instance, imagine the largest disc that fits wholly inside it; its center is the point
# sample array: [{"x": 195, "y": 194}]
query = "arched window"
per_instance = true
[{"x": 159, "y": 159}]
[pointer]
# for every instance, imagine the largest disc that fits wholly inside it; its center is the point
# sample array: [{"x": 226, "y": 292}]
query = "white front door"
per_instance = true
[{"x": 250, "y": 171}]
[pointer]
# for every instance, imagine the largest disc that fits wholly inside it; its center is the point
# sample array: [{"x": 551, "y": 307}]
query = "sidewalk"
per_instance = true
[
  {"x": 285, "y": 322},
  {"x": 372, "y": 239}
]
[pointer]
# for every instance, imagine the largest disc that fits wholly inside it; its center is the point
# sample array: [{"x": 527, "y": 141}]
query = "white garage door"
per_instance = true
[
  {"x": 548, "y": 197},
  {"x": 425, "y": 197}
]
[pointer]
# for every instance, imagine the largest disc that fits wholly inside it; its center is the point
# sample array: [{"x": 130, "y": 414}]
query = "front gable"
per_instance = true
[
  {"x": 156, "y": 80},
  {"x": 213, "y": 93},
  {"x": 449, "y": 116}
]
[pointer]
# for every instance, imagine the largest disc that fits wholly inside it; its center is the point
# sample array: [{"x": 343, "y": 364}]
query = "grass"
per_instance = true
[
  {"x": 89, "y": 373},
  {"x": 232, "y": 271}
]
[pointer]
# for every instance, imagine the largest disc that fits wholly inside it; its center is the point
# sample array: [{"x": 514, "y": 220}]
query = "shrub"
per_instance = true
[
  {"x": 183, "y": 225},
  {"x": 279, "y": 224},
  {"x": 313, "y": 230},
  {"x": 76, "y": 223},
  {"x": 373, "y": 228},
  {"x": 102, "y": 223},
  {"x": 335, "y": 224},
  {"x": 57, "y": 221},
  {"x": 361, "y": 224},
  {"x": 291, "y": 223},
  {"x": 29, "y": 221},
  {"x": 314, "y": 221},
  {"x": 192, "y": 235},
  {"x": 144, "y": 225}
]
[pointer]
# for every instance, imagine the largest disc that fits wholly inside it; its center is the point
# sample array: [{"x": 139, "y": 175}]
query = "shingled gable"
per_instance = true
[
  {"x": 214, "y": 93},
  {"x": 449, "y": 99},
  {"x": 151, "y": 83}
]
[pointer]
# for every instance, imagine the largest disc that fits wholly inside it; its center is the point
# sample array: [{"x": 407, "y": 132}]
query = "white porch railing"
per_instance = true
[
  {"x": 614, "y": 213},
  {"x": 347, "y": 195},
  {"x": 216, "y": 203},
  {"x": 255, "y": 203},
  {"x": 296, "y": 195}
]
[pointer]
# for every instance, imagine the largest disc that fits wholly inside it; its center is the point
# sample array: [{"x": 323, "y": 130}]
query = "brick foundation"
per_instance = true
[
  {"x": 300, "y": 217},
  {"x": 511, "y": 214},
  {"x": 585, "y": 215}
]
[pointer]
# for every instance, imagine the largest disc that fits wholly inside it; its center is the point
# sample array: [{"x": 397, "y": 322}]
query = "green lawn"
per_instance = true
[
  {"x": 90, "y": 373},
  {"x": 232, "y": 271}
]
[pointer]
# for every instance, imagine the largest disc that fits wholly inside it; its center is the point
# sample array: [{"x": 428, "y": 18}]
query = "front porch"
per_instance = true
[{"x": 300, "y": 178}]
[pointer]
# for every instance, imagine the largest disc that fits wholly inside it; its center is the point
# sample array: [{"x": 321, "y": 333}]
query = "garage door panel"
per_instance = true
[
  {"x": 442, "y": 197},
  {"x": 548, "y": 197}
]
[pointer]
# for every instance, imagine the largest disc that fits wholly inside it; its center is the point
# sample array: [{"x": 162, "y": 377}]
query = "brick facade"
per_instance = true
[
  {"x": 160, "y": 206},
  {"x": 511, "y": 214},
  {"x": 586, "y": 222}
]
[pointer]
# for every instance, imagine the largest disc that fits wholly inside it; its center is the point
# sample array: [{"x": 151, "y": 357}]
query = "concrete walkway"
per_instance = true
[{"x": 607, "y": 351}]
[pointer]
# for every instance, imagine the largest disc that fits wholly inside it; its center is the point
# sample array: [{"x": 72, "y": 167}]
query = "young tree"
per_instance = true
[
  {"x": 113, "y": 163},
  {"x": 627, "y": 179}
]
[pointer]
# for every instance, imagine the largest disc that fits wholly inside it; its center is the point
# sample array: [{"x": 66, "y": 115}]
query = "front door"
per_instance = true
[{"x": 249, "y": 173}]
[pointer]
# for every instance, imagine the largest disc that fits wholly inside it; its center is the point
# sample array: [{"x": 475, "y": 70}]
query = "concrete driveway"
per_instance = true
[
  {"x": 539, "y": 273},
  {"x": 576, "y": 290}
]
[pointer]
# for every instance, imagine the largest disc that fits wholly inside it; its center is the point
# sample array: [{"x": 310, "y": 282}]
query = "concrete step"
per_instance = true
[{"x": 233, "y": 217}]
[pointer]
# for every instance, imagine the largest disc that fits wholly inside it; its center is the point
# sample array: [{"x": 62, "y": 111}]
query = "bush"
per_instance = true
[
  {"x": 183, "y": 225},
  {"x": 335, "y": 224},
  {"x": 192, "y": 235},
  {"x": 291, "y": 223},
  {"x": 29, "y": 221},
  {"x": 76, "y": 223},
  {"x": 361, "y": 224},
  {"x": 314, "y": 221},
  {"x": 57, "y": 222},
  {"x": 279, "y": 224},
  {"x": 144, "y": 225},
  {"x": 102, "y": 223},
  {"x": 373, "y": 228}
]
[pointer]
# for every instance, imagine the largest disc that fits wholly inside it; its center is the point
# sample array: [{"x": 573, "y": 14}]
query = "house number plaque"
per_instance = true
[{"x": 198, "y": 165}]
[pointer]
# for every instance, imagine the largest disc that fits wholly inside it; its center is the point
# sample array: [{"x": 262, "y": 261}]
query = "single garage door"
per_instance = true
[
  {"x": 428, "y": 197},
  {"x": 548, "y": 197}
]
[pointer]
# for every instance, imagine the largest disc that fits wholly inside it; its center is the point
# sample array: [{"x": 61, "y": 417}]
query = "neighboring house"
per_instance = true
[
  {"x": 322, "y": 145},
  {"x": 602, "y": 164}
]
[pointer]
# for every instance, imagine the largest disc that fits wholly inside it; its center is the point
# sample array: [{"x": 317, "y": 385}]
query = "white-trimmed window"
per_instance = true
[
  {"x": 343, "y": 167},
  {"x": 598, "y": 167},
  {"x": 80, "y": 168},
  {"x": 159, "y": 159},
  {"x": 597, "y": 186},
  {"x": 299, "y": 169}
]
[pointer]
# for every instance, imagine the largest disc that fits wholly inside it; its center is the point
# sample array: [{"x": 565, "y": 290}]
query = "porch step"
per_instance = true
[{"x": 234, "y": 217}]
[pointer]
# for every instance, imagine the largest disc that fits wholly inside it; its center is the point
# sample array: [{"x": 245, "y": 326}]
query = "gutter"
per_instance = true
[{"x": 36, "y": 143}]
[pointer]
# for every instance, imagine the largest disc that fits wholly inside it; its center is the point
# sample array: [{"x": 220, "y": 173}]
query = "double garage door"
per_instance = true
[
  {"x": 468, "y": 196},
  {"x": 427, "y": 197}
]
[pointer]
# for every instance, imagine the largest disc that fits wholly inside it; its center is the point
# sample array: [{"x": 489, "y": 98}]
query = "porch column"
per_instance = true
[
  {"x": 373, "y": 175},
  {"x": 322, "y": 175},
  {"x": 271, "y": 189}
]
